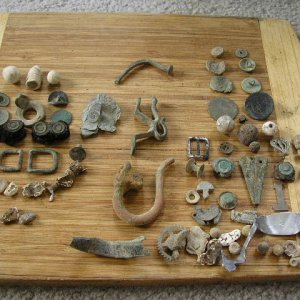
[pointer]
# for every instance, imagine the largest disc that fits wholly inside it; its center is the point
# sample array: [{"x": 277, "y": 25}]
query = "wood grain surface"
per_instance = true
[{"x": 90, "y": 50}]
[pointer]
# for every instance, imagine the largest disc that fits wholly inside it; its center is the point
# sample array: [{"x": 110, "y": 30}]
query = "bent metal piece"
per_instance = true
[
  {"x": 127, "y": 180},
  {"x": 285, "y": 223},
  {"x": 144, "y": 62}
]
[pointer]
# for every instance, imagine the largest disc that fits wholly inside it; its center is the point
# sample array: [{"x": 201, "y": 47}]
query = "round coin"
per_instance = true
[
  {"x": 77, "y": 153},
  {"x": 221, "y": 106},
  {"x": 251, "y": 85},
  {"x": 228, "y": 200},
  {"x": 22, "y": 101},
  {"x": 4, "y": 100},
  {"x": 247, "y": 64},
  {"x": 259, "y": 106},
  {"x": 241, "y": 53},
  {"x": 62, "y": 115},
  {"x": 217, "y": 51},
  {"x": 4, "y": 116}
]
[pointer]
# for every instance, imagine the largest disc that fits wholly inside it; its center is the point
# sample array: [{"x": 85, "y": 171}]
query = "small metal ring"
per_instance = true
[
  {"x": 195, "y": 199},
  {"x": 33, "y": 105}
]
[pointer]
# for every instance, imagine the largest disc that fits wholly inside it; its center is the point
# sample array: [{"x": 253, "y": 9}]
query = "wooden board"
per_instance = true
[{"x": 90, "y": 50}]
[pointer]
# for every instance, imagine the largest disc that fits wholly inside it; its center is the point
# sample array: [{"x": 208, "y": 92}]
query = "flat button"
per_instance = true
[
  {"x": 259, "y": 106},
  {"x": 241, "y": 53},
  {"x": 251, "y": 85},
  {"x": 4, "y": 116},
  {"x": 62, "y": 115},
  {"x": 4, "y": 100},
  {"x": 247, "y": 64}
]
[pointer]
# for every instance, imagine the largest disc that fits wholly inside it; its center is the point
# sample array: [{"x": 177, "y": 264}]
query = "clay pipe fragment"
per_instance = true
[{"x": 127, "y": 180}]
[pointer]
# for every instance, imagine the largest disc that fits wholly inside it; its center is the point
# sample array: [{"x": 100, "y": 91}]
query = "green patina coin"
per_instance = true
[
  {"x": 284, "y": 171},
  {"x": 247, "y": 64},
  {"x": 228, "y": 200},
  {"x": 223, "y": 167},
  {"x": 4, "y": 116},
  {"x": 221, "y": 84},
  {"x": 4, "y": 100},
  {"x": 251, "y": 85},
  {"x": 241, "y": 53},
  {"x": 221, "y": 106},
  {"x": 62, "y": 115}
]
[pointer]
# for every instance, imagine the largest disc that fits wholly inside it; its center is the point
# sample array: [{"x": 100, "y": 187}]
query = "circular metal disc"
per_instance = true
[
  {"x": 259, "y": 106},
  {"x": 62, "y": 115},
  {"x": 226, "y": 148},
  {"x": 285, "y": 168},
  {"x": 4, "y": 116},
  {"x": 77, "y": 153},
  {"x": 58, "y": 98},
  {"x": 221, "y": 84},
  {"x": 59, "y": 127},
  {"x": 251, "y": 85},
  {"x": 247, "y": 64},
  {"x": 221, "y": 106},
  {"x": 4, "y": 100},
  {"x": 228, "y": 200},
  {"x": 241, "y": 53},
  {"x": 217, "y": 51}
]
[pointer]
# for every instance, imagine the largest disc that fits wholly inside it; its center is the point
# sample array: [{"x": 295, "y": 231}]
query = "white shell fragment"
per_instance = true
[
  {"x": 3, "y": 185},
  {"x": 53, "y": 77},
  {"x": 34, "y": 78},
  {"x": 11, "y": 190},
  {"x": 227, "y": 238},
  {"x": 269, "y": 128},
  {"x": 11, "y": 74},
  {"x": 225, "y": 124}
]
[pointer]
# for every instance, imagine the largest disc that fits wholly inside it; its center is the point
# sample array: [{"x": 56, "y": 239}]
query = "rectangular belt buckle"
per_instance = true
[{"x": 202, "y": 148}]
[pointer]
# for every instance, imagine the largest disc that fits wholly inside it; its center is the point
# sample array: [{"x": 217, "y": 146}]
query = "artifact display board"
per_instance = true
[{"x": 90, "y": 51}]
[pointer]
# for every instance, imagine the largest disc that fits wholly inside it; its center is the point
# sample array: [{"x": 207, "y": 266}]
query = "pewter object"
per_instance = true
[
  {"x": 157, "y": 125},
  {"x": 294, "y": 262},
  {"x": 3, "y": 185},
  {"x": 205, "y": 188},
  {"x": 202, "y": 148},
  {"x": 228, "y": 200},
  {"x": 246, "y": 230},
  {"x": 33, "y": 189},
  {"x": 62, "y": 115},
  {"x": 127, "y": 180},
  {"x": 241, "y": 53},
  {"x": 284, "y": 171},
  {"x": 216, "y": 67},
  {"x": 251, "y": 85},
  {"x": 247, "y": 64},
  {"x": 27, "y": 217},
  {"x": 217, "y": 52},
  {"x": 242, "y": 119},
  {"x": 259, "y": 106},
  {"x": 269, "y": 128},
  {"x": 34, "y": 78},
  {"x": 281, "y": 145},
  {"x": 193, "y": 168},
  {"x": 208, "y": 216},
  {"x": 254, "y": 171},
  {"x": 247, "y": 134},
  {"x": 229, "y": 237},
  {"x": 11, "y": 74},
  {"x": 53, "y": 77},
  {"x": 22, "y": 101},
  {"x": 102, "y": 113},
  {"x": 12, "y": 132},
  {"x": 225, "y": 124},
  {"x": 245, "y": 217},
  {"x": 221, "y": 84},
  {"x": 114, "y": 249},
  {"x": 35, "y": 106},
  {"x": 291, "y": 248},
  {"x": 221, "y": 106},
  {"x": 234, "y": 248},
  {"x": 77, "y": 153},
  {"x": 223, "y": 167},
  {"x": 192, "y": 197},
  {"x": 52, "y": 169},
  {"x": 4, "y": 116},
  {"x": 4, "y": 100},
  {"x": 213, "y": 253},
  {"x": 263, "y": 247},
  {"x": 277, "y": 250},
  {"x": 226, "y": 148},
  {"x": 215, "y": 232},
  {"x": 296, "y": 142},
  {"x": 58, "y": 98},
  {"x": 281, "y": 204},
  {"x": 10, "y": 216},
  {"x": 11, "y": 190},
  {"x": 254, "y": 146},
  {"x": 171, "y": 240},
  {"x": 16, "y": 168},
  {"x": 144, "y": 62}
]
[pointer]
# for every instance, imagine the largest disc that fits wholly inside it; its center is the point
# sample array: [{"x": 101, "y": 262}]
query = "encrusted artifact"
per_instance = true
[
  {"x": 226, "y": 148},
  {"x": 216, "y": 67},
  {"x": 215, "y": 232},
  {"x": 62, "y": 115},
  {"x": 263, "y": 247},
  {"x": 211, "y": 215},
  {"x": 192, "y": 197},
  {"x": 16, "y": 168},
  {"x": 221, "y": 84},
  {"x": 193, "y": 168},
  {"x": 34, "y": 78},
  {"x": 242, "y": 119},
  {"x": 27, "y": 218},
  {"x": 197, "y": 240},
  {"x": 229, "y": 237},
  {"x": 3, "y": 185},
  {"x": 254, "y": 146},
  {"x": 259, "y": 106},
  {"x": 115, "y": 249},
  {"x": 4, "y": 100},
  {"x": 245, "y": 217},
  {"x": 58, "y": 98},
  {"x": 11, "y": 190},
  {"x": 53, "y": 77},
  {"x": 221, "y": 106},
  {"x": 11, "y": 74},
  {"x": 10, "y": 216},
  {"x": 241, "y": 53},
  {"x": 247, "y": 64},
  {"x": 22, "y": 101},
  {"x": 33, "y": 189},
  {"x": 217, "y": 52},
  {"x": 202, "y": 148},
  {"x": 213, "y": 253},
  {"x": 223, "y": 167},
  {"x": 251, "y": 85},
  {"x": 284, "y": 171},
  {"x": 281, "y": 204},
  {"x": 234, "y": 248},
  {"x": 77, "y": 153},
  {"x": 277, "y": 250},
  {"x": 35, "y": 106},
  {"x": 247, "y": 134},
  {"x": 102, "y": 113},
  {"x": 296, "y": 142},
  {"x": 12, "y": 132},
  {"x": 144, "y": 62},
  {"x": 127, "y": 180},
  {"x": 171, "y": 240},
  {"x": 254, "y": 171},
  {"x": 225, "y": 124},
  {"x": 205, "y": 187},
  {"x": 269, "y": 128},
  {"x": 294, "y": 261},
  {"x": 52, "y": 169},
  {"x": 157, "y": 125},
  {"x": 281, "y": 145},
  {"x": 4, "y": 116},
  {"x": 228, "y": 200},
  {"x": 246, "y": 230},
  {"x": 291, "y": 248}
]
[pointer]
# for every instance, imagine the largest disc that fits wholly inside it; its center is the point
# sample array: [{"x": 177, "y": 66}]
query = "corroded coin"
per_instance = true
[
  {"x": 251, "y": 85},
  {"x": 62, "y": 115},
  {"x": 221, "y": 106},
  {"x": 4, "y": 116},
  {"x": 247, "y": 64},
  {"x": 217, "y": 51},
  {"x": 77, "y": 153},
  {"x": 226, "y": 148},
  {"x": 216, "y": 67},
  {"x": 259, "y": 106},
  {"x": 22, "y": 101},
  {"x": 221, "y": 84},
  {"x": 241, "y": 53},
  {"x": 4, "y": 100}
]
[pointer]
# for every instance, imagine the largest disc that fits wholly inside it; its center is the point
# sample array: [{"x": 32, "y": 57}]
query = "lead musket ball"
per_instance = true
[
  {"x": 234, "y": 248},
  {"x": 247, "y": 134},
  {"x": 246, "y": 230},
  {"x": 254, "y": 146},
  {"x": 225, "y": 124},
  {"x": 53, "y": 77},
  {"x": 11, "y": 74},
  {"x": 263, "y": 248},
  {"x": 277, "y": 250},
  {"x": 215, "y": 232}
]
